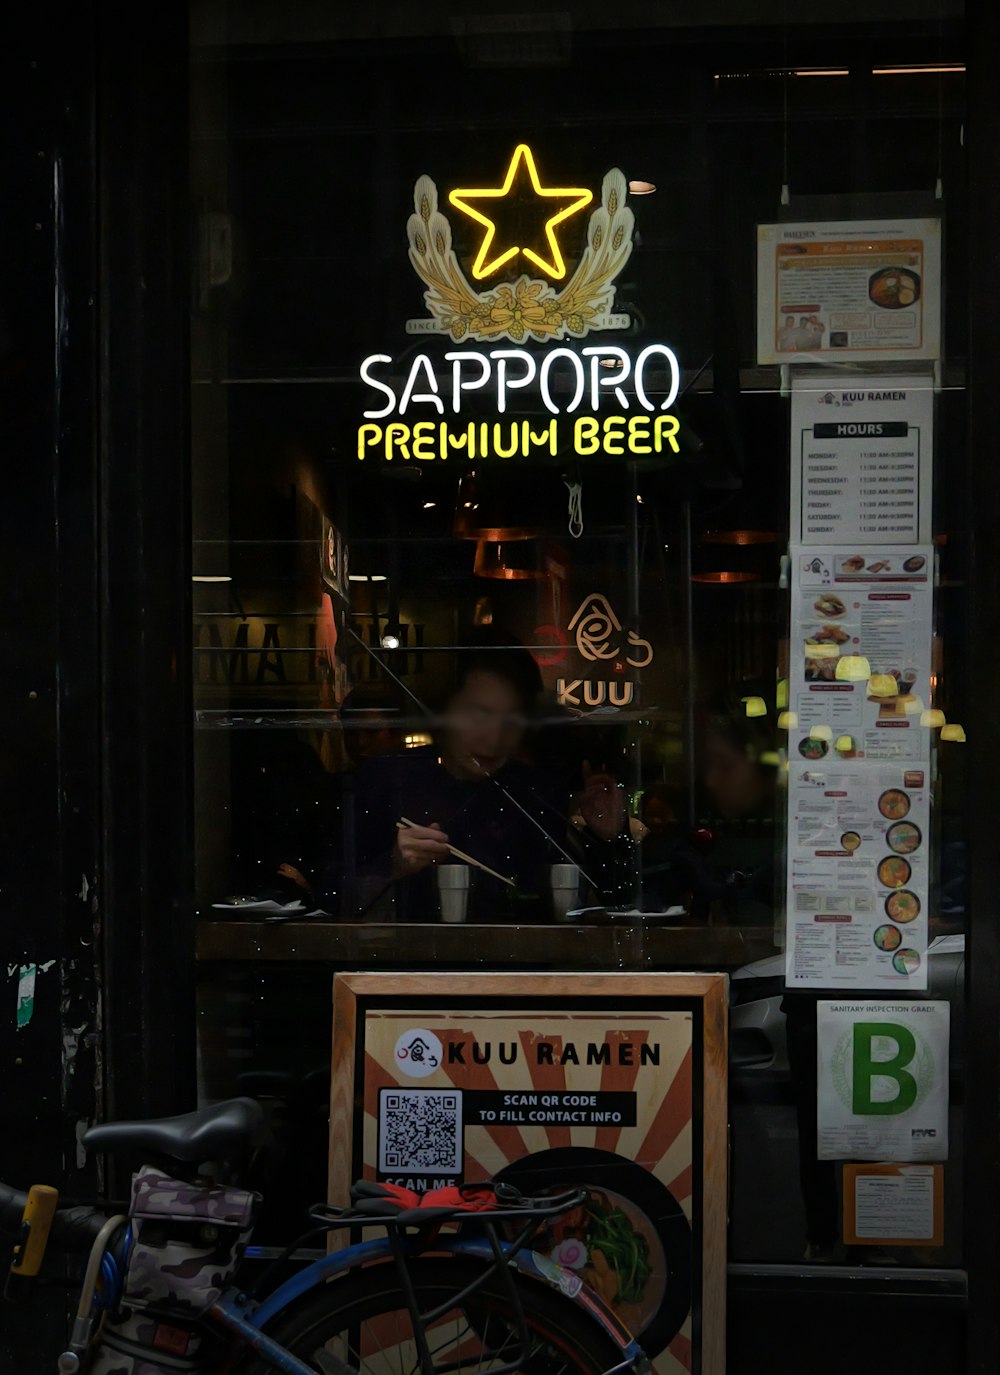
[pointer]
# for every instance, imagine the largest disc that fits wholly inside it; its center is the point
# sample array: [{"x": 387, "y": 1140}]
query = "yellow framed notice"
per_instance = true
[{"x": 893, "y": 1205}]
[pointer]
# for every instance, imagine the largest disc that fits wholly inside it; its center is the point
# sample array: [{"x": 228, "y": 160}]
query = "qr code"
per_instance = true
[{"x": 420, "y": 1129}]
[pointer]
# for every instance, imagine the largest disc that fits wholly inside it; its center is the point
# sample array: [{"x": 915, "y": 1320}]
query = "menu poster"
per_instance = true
[
  {"x": 859, "y": 767},
  {"x": 854, "y": 290},
  {"x": 853, "y": 605},
  {"x": 862, "y": 460}
]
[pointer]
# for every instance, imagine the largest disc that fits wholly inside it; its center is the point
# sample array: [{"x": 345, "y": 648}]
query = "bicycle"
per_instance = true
[{"x": 451, "y": 1286}]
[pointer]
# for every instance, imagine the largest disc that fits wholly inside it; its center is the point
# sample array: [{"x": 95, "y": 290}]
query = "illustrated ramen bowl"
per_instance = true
[
  {"x": 902, "y": 906},
  {"x": 894, "y": 804},
  {"x": 906, "y": 961},
  {"x": 894, "y": 872},
  {"x": 904, "y": 837},
  {"x": 809, "y": 748},
  {"x": 894, "y": 288},
  {"x": 887, "y": 937}
]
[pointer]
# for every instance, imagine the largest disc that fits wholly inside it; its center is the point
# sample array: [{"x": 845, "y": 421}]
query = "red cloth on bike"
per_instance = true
[{"x": 471, "y": 1198}]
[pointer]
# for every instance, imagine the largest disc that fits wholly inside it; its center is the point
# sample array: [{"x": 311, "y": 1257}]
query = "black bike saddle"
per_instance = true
[{"x": 220, "y": 1131}]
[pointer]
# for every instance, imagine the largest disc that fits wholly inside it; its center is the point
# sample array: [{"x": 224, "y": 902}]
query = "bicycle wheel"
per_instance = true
[{"x": 364, "y": 1321}]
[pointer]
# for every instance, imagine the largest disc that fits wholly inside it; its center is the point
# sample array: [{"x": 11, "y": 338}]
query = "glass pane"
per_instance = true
[{"x": 492, "y": 514}]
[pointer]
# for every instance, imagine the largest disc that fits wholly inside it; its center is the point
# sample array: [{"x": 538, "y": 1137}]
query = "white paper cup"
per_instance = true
[
  {"x": 453, "y": 890},
  {"x": 565, "y": 882}
]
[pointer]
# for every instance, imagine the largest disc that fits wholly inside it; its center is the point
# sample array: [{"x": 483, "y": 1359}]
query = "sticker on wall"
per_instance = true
[
  {"x": 602, "y": 640},
  {"x": 596, "y": 626},
  {"x": 882, "y": 1080},
  {"x": 893, "y": 1205}
]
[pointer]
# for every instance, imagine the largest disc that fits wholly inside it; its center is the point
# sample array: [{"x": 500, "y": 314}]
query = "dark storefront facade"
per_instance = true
[{"x": 421, "y": 417}]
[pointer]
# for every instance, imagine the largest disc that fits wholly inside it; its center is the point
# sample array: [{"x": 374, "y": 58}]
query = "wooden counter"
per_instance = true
[{"x": 350, "y": 945}]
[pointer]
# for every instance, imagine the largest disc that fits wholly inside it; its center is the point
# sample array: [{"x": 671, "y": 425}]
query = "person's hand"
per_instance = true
[
  {"x": 290, "y": 871},
  {"x": 602, "y": 805},
  {"x": 419, "y": 846}
]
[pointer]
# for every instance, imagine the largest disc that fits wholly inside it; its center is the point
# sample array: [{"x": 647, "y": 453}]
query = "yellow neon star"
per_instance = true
[{"x": 578, "y": 196}]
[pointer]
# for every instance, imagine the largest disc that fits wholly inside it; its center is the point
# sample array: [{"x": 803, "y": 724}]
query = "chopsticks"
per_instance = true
[{"x": 404, "y": 824}]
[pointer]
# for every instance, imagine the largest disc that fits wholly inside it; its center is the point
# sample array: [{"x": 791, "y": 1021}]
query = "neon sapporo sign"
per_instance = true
[
  {"x": 573, "y": 386},
  {"x": 645, "y": 430}
]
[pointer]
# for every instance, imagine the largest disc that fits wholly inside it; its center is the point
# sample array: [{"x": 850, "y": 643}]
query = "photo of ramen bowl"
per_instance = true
[
  {"x": 903, "y": 906},
  {"x": 906, "y": 961},
  {"x": 914, "y": 564},
  {"x": 894, "y": 804},
  {"x": 893, "y": 872},
  {"x": 813, "y": 749},
  {"x": 903, "y": 837},
  {"x": 850, "y": 840},
  {"x": 629, "y": 1239},
  {"x": 894, "y": 288},
  {"x": 887, "y": 937}
]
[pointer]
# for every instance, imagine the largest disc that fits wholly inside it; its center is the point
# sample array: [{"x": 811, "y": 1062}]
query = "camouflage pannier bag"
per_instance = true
[{"x": 186, "y": 1243}]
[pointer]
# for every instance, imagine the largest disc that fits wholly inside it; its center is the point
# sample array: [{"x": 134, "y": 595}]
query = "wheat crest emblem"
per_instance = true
[{"x": 528, "y": 308}]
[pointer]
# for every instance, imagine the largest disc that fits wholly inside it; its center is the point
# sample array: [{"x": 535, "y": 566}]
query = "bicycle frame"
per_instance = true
[{"x": 237, "y": 1314}]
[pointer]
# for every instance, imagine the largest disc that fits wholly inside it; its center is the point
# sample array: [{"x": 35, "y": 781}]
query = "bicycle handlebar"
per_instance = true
[{"x": 73, "y": 1229}]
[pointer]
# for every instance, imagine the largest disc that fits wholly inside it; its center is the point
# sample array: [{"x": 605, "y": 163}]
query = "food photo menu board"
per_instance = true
[
  {"x": 859, "y": 752},
  {"x": 849, "y": 290}
]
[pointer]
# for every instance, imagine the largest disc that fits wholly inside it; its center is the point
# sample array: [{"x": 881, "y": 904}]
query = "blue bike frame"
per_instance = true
[{"x": 248, "y": 1322}]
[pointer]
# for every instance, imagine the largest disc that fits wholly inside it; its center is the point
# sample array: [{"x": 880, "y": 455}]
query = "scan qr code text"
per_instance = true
[{"x": 420, "y": 1129}]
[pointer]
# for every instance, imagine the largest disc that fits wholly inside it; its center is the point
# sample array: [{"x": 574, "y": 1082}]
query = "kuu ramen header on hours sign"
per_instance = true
[{"x": 567, "y": 382}]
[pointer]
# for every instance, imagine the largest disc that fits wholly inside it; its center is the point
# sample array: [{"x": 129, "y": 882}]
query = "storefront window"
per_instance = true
[{"x": 503, "y": 529}]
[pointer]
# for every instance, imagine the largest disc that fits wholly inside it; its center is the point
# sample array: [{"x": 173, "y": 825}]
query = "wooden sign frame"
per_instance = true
[{"x": 639, "y": 1009}]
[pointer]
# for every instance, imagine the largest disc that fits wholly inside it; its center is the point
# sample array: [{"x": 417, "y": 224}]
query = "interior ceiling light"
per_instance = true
[
  {"x": 755, "y": 706},
  {"x": 724, "y": 576},
  {"x": 390, "y": 641},
  {"x": 933, "y": 718},
  {"x": 429, "y": 505},
  {"x": 821, "y": 71},
  {"x": 788, "y": 720},
  {"x": 844, "y": 744},
  {"x": 211, "y": 577},
  {"x": 953, "y": 731},
  {"x": 740, "y": 537},
  {"x": 821, "y": 733},
  {"x": 641, "y": 188},
  {"x": 489, "y": 563},
  {"x": 495, "y": 508},
  {"x": 366, "y": 577},
  {"x": 917, "y": 70}
]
